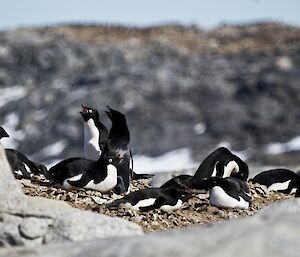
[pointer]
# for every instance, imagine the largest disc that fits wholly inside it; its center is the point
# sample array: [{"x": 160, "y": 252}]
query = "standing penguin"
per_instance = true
[
  {"x": 221, "y": 163},
  {"x": 229, "y": 193},
  {"x": 21, "y": 166},
  {"x": 95, "y": 133},
  {"x": 95, "y": 138},
  {"x": 281, "y": 180},
  {"x": 166, "y": 199},
  {"x": 118, "y": 148}
]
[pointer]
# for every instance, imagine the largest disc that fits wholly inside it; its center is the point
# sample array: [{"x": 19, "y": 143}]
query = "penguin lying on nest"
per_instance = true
[
  {"x": 280, "y": 180},
  {"x": 21, "y": 166},
  {"x": 220, "y": 163},
  {"x": 228, "y": 193},
  {"x": 166, "y": 199}
]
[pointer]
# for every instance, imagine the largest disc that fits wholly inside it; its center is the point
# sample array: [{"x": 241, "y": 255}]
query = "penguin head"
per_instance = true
[
  {"x": 89, "y": 113},
  {"x": 115, "y": 116},
  {"x": 180, "y": 194},
  {"x": 41, "y": 169},
  {"x": 3, "y": 133}
]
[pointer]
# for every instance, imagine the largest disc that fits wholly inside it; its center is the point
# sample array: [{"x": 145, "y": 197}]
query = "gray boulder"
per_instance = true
[
  {"x": 254, "y": 236},
  {"x": 31, "y": 221}
]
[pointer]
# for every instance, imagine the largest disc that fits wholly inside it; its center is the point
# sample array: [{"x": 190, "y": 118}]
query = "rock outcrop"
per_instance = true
[
  {"x": 260, "y": 235},
  {"x": 179, "y": 87},
  {"x": 32, "y": 221}
]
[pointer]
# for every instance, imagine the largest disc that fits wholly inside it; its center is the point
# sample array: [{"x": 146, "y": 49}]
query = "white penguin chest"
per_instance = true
[
  {"x": 279, "y": 186},
  {"x": 218, "y": 197},
  {"x": 175, "y": 207},
  {"x": 108, "y": 183},
  {"x": 142, "y": 203},
  {"x": 91, "y": 140}
]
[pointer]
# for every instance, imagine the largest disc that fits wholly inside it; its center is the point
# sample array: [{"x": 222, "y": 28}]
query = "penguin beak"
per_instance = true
[
  {"x": 109, "y": 113},
  {"x": 5, "y": 134},
  {"x": 85, "y": 109}
]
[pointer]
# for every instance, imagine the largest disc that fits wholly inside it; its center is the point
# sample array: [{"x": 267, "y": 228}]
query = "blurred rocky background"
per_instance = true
[{"x": 179, "y": 86}]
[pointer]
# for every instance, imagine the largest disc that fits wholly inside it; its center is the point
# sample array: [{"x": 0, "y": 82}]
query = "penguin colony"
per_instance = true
[{"x": 107, "y": 166}]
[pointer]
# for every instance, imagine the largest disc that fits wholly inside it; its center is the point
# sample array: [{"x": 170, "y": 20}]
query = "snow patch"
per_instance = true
[
  {"x": 199, "y": 128},
  {"x": 50, "y": 151},
  {"x": 54, "y": 149},
  {"x": 11, "y": 94},
  {"x": 179, "y": 159},
  {"x": 279, "y": 148}
]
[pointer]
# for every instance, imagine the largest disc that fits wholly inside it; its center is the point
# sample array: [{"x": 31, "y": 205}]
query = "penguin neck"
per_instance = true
[{"x": 119, "y": 132}]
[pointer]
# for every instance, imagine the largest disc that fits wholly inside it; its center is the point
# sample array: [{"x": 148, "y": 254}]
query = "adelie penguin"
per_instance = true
[
  {"x": 100, "y": 175},
  {"x": 118, "y": 149},
  {"x": 21, "y": 166},
  {"x": 95, "y": 133},
  {"x": 228, "y": 193},
  {"x": 281, "y": 180},
  {"x": 95, "y": 138},
  {"x": 166, "y": 199},
  {"x": 220, "y": 163}
]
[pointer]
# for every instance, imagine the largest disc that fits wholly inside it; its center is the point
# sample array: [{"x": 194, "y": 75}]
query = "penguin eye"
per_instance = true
[
  {"x": 110, "y": 160},
  {"x": 90, "y": 111}
]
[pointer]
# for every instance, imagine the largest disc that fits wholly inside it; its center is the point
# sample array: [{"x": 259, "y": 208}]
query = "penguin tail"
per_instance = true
[{"x": 297, "y": 194}]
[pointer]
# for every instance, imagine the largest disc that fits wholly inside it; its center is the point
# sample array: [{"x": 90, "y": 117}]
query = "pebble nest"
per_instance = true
[{"x": 194, "y": 212}]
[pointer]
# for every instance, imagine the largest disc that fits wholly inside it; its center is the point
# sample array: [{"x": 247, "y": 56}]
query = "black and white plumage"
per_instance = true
[
  {"x": 228, "y": 192},
  {"x": 180, "y": 182},
  {"x": 20, "y": 165},
  {"x": 166, "y": 199},
  {"x": 100, "y": 175},
  {"x": 118, "y": 148},
  {"x": 281, "y": 180},
  {"x": 221, "y": 163},
  {"x": 95, "y": 133},
  {"x": 96, "y": 136}
]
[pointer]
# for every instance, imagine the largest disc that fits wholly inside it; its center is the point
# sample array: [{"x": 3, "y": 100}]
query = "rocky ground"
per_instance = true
[{"x": 196, "y": 211}]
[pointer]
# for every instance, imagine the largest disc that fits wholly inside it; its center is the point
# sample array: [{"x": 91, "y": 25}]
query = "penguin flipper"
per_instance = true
[
  {"x": 120, "y": 187},
  {"x": 82, "y": 182},
  {"x": 246, "y": 197},
  {"x": 25, "y": 173},
  {"x": 160, "y": 201}
]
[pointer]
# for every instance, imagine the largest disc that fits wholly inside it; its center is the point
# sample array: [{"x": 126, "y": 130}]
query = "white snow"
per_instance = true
[
  {"x": 51, "y": 162},
  {"x": 11, "y": 94},
  {"x": 53, "y": 149},
  {"x": 278, "y": 148},
  {"x": 199, "y": 128},
  {"x": 179, "y": 159}
]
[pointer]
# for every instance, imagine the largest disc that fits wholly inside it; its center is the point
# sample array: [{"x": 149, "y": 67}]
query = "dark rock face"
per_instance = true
[{"x": 179, "y": 87}]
